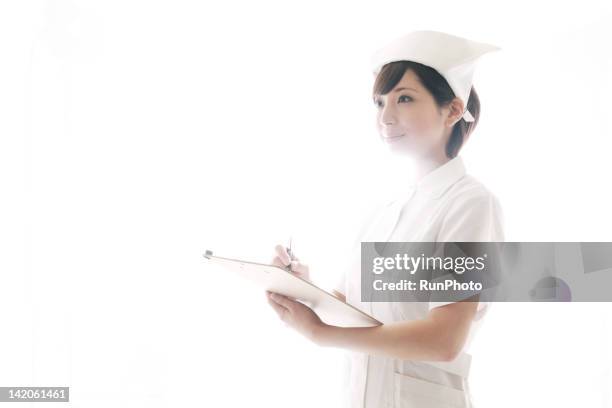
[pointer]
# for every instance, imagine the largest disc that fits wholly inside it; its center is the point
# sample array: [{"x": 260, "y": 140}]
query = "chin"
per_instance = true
[
  {"x": 401, "y": 143},
  {"x": 401, "y": 150}
]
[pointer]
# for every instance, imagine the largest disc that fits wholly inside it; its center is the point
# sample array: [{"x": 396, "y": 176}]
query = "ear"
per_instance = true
[{"x": 456, "y": 109}]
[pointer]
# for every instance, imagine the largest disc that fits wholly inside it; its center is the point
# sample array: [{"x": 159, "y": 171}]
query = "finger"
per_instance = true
[
  {"x": 299, "y": 267},
  {"x": 280, "y": 310},
  {"x": 277, "y": 298},
  {"x": 284, "y": 301},
  {"x": 300, "y": 270},
  {"x": 276, "y": 261},
  {"x": 296, "y": 271},
  {"x": 272, "y": 297},
  {"x": 282, "y": 253}
]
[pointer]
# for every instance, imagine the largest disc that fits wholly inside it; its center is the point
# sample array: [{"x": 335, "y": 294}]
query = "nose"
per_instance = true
[{"x": 387, "y": 115}]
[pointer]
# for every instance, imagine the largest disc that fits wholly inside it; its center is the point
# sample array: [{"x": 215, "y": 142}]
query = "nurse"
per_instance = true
[{"x": 426, "y": 110}]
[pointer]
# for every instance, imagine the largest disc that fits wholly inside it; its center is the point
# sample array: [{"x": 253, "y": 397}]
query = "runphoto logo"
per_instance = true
[{"x": 413, "y": 264}]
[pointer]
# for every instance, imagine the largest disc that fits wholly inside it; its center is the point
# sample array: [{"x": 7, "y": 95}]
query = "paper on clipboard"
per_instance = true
[{"x": 329, "y": 308}]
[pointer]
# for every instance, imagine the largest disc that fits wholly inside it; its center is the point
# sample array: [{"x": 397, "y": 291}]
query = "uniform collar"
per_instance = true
[{"x": 436, "y": 182}]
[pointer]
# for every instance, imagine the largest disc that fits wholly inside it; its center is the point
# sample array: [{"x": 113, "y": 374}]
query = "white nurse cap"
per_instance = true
[{"x": 453, "y": 57}]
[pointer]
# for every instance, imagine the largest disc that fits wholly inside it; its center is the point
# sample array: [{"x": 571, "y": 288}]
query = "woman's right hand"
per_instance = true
[{"x": 282, "y": 259}]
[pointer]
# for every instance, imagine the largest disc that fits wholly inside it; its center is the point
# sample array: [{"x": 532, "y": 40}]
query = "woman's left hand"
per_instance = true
[{"x": 296, "y": 315}]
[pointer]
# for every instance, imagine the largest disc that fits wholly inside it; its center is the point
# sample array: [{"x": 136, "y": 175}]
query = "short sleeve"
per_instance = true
[
  {"x": 478, "y": 218},
  {"x": 475, "y": 219}
]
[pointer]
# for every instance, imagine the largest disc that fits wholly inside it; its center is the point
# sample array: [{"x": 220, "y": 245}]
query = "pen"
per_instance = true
[{"x": 290, "y": 252}]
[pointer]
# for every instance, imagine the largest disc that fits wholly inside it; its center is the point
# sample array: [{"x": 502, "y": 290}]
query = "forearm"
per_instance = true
[{"x": 409, "y": 340}]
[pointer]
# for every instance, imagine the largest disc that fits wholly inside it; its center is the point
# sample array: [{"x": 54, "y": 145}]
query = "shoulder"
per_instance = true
[
  {"x": 470, "y": 194},
  {"x": 470, "y": 189},
  {"x": 472, "y": 212}
]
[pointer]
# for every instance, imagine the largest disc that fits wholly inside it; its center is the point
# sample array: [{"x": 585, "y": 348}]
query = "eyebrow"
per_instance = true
[{"x": 402, "y": 89}]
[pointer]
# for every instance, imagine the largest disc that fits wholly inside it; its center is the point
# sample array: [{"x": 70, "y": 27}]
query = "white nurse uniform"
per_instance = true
[{"x": 446, "y": 205}]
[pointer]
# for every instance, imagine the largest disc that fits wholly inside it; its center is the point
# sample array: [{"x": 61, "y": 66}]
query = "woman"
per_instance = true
[{"x": 417, "y": 356}]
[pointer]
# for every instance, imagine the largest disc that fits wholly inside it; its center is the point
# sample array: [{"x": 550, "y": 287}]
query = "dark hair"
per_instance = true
[{"x": 390, "y": 75}]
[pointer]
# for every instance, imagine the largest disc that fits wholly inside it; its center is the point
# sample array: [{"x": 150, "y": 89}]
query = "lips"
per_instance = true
[{"x": 391, "y": 136}]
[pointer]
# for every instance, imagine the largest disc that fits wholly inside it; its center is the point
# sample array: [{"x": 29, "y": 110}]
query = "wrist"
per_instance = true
[{"x": 320, "y": 334}]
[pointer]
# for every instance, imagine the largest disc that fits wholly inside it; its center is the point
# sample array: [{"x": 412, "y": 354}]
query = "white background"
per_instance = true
[{"x": 136, "y": 134}]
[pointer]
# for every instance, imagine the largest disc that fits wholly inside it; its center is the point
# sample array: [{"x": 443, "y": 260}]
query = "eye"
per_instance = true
[
  {"x": 404, "y": 97},
  {"x": 377, "y": 102}
]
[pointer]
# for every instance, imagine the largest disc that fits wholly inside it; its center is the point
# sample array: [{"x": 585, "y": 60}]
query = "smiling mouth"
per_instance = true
[{"x": 392, "y": 137}]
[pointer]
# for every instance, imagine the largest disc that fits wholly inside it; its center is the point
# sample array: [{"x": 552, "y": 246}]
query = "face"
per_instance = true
[{"x": 410, "y": 122}]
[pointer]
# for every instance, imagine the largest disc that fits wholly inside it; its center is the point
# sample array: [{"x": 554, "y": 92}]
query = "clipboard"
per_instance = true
[{"x": 329, "y": 308}]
